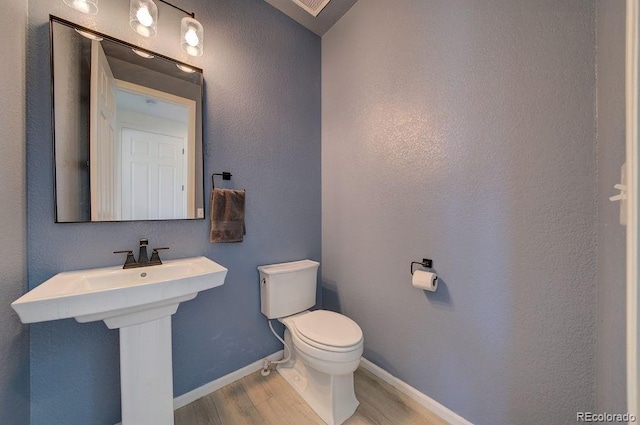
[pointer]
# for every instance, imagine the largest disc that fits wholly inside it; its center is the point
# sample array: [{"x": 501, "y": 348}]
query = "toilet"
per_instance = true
[{"x": 325, "y": 346}]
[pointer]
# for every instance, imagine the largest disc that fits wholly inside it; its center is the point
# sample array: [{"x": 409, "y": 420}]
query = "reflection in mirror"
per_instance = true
[{"x": 127, "y": 131}]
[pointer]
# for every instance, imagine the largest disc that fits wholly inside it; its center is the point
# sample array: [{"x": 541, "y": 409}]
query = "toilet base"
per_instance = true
[{"x": 331, "y": 396}]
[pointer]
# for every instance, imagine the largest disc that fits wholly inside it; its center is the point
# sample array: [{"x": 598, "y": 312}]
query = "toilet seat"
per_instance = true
[{"x": 328, "y": 331}]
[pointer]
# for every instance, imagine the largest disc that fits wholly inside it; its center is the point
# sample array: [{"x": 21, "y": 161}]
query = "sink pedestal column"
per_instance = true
[{"x": 146, "y": 376}]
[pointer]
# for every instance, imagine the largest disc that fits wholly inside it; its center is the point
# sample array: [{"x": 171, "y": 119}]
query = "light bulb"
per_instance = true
[
  {"x": 81, "y": 6},
  {"x": 144, "y": 17},
  {"x": 89, "y": 7},
  {"x": 191, "y": 37}
]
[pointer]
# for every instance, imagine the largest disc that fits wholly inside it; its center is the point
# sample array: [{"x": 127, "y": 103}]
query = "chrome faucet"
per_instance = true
[{"x": 143, "y": 259}]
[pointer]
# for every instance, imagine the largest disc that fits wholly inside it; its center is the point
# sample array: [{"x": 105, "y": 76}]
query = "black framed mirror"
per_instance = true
[{"x": 127, "y": 130}]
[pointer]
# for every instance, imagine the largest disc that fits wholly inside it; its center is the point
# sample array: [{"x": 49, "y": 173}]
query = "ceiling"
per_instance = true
[{"x": 320, "y": 24}]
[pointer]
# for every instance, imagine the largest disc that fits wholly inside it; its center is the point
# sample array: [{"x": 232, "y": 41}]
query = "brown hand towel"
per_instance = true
[{"x": 227, "y": 215}]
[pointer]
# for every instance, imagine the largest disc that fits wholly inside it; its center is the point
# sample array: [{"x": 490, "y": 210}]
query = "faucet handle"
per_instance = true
[
  {"x": 130, "y": 258},
  {"x": 155, "y": 257}
]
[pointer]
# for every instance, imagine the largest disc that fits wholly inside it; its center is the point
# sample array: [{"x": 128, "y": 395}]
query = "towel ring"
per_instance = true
[{"x": 225, "y": 176}]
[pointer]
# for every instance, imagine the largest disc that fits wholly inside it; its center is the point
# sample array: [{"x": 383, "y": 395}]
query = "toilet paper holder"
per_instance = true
[{"x": 426, "y": 263}]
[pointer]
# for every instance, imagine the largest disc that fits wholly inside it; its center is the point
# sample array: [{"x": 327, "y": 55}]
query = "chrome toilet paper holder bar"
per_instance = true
[{"x": 426, "y": 263}]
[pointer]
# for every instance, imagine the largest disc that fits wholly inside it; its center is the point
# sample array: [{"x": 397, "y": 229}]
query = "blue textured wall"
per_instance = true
[
  {"x": 262, "y": 123},
  {"x": 464, "y": 131},
  {"x": 14, "y": 337}
]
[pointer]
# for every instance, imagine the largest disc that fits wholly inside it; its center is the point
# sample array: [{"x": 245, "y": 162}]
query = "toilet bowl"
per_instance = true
[
  {"x": 326, "y": 350},
  {"x": 326, "y": 347}
]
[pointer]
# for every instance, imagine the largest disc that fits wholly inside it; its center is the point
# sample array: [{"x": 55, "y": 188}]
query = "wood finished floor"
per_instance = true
[{"x": 271, "y": 401}]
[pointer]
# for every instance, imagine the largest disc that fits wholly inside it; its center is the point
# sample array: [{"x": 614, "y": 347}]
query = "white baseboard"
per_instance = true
[
  {"x": 223, "y": 381},
  {"x": 426, "y": 401}
]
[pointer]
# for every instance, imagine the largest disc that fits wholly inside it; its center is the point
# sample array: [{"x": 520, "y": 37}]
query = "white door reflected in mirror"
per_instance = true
[{"x": 141, "y": 149}]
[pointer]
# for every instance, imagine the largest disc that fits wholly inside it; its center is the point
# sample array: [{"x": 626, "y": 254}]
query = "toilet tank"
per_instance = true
[{"x": 287, "y": 288}]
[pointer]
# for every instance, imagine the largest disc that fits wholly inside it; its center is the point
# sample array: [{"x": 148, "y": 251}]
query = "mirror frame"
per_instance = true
[{"x": 54, "y": 19}]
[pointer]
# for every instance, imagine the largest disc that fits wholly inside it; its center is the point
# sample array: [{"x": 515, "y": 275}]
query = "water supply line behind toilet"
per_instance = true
[{"x": 266, "y": 363}]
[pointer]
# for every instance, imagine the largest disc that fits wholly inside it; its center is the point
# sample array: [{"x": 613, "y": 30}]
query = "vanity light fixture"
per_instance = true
[
  {"x": 191, "y": 32},
  {"x": 143, "y": 17},
  {"x": 90, "y": 7}
]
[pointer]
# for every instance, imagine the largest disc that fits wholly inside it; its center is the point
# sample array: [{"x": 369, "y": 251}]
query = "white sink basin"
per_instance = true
[
  {"x": 113, "y": 292},
  {"x": 139, "y": 302}
]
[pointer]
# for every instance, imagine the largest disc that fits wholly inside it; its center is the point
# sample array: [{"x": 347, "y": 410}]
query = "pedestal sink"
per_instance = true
[{"x": 140, "y": 303}]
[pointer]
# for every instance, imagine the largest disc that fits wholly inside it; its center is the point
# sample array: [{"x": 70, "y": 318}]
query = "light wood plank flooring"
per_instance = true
[{"x": 271, "y": 401}]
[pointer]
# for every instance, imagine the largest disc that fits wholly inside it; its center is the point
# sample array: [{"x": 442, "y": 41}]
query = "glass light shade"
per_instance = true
[
  {"x": 191, "y": 36},
  {"x": 143, "y": 17},
  {"x": 90, "y": 7}
]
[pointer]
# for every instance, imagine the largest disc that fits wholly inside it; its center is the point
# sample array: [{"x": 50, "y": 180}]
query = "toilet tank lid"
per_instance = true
[{"x": 294, "y": 266}]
